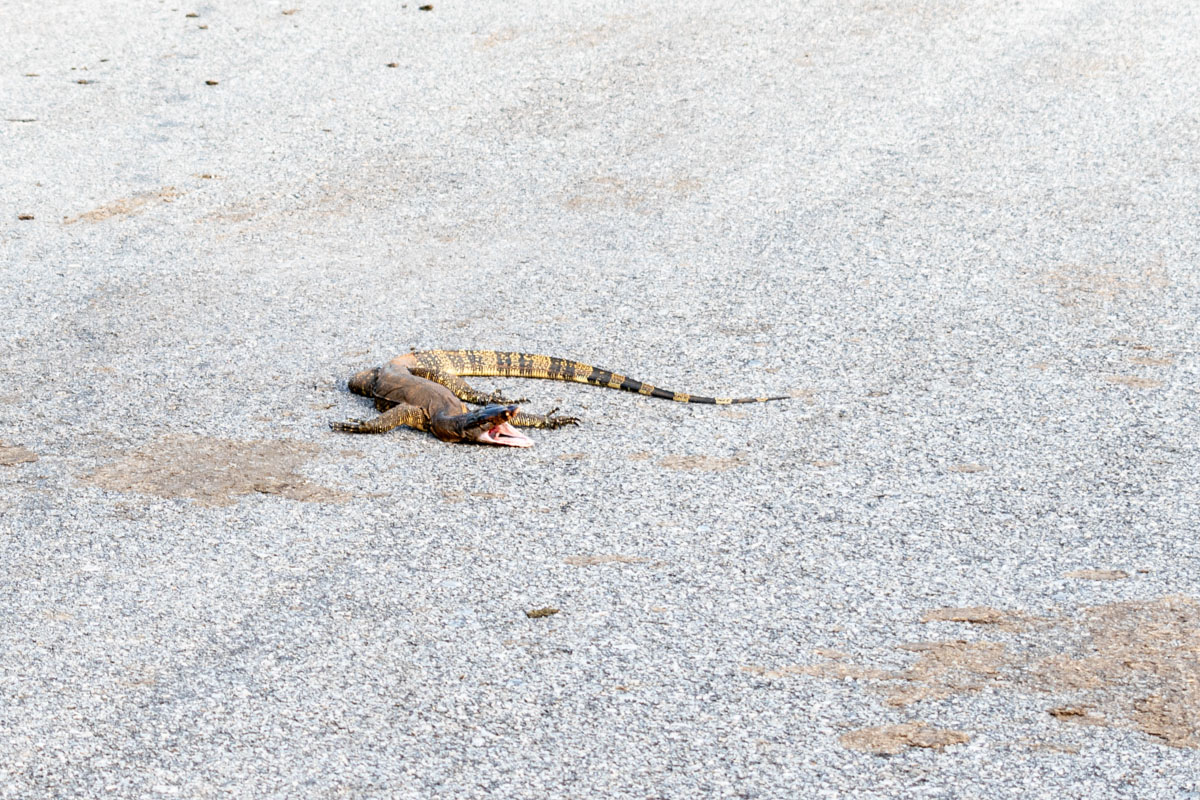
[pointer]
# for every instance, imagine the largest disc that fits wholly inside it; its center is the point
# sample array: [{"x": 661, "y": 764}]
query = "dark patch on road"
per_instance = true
[
  {"x": 213, "y": 472},
  {"x": 1098, "y": 574},
  {"x": 125, "y": 206},
  {"x": 594, "y": 560},
  {"x": 1133, "y": 663},
  {"x": 888, "y": 740},
  {"x": 701, "y": 463},
  {"x": 15, "y": 454}
]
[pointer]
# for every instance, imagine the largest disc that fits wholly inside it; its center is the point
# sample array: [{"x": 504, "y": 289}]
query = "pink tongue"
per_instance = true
[{"x": 507, "y": 435}]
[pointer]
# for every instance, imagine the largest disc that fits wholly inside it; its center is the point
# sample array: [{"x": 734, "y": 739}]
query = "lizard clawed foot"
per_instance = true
[
  {"x": 554, "y": 422},
  {"x": 498, "y": 398},
  {"x": 348, "y": 426}
]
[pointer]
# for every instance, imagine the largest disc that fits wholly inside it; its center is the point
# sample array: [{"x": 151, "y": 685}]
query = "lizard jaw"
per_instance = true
[{"x": 505, "y": 434}]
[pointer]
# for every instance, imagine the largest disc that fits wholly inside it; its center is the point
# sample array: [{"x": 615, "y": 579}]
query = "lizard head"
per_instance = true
[
  {"x": 364, "y": 382},
  {"x": 489, "y": 425}
]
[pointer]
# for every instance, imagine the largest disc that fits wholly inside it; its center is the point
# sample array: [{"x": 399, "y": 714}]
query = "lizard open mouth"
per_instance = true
[{"x": 505, "y": 434}]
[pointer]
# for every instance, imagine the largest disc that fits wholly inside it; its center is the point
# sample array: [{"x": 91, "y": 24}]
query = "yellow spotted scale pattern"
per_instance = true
[{"x": 492, "y": 363}]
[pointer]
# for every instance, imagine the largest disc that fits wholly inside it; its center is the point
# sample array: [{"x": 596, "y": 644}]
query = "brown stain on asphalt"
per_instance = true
[
  {"x": 594, "y": 560},
  {"x": 501, "y": 36},
  {"x": 614, "y": 25},
  {"x": 1082, "y": 285},
  {"x": 1127, "y": 664},
  {"x": 609, "y": 192},
  {"x": 460, "y": 496},
  {"x": 15, "y": 454},
  {"x": 1097, "y": 574},
  {"x": 1082, "y": 66},
  {"x": 945, "y": 668},
  {"x": 836, "y": 671},
  {"x": 1134, "y": 381},
  {"x": 125, "y": 206},
  {"x": 213, "y": 472},
  {"x": 701, "y": 463},
  {"x": 888, "y": 740},
  {"x": 976, "y": 615},
  {"x": 1076, "y": 714}
]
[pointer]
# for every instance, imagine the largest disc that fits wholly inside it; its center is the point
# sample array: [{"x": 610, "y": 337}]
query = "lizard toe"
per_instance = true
[{"x": 497, "y": 397}]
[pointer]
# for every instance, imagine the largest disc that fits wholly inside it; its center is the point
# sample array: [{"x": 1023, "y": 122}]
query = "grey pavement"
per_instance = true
[{"x": 961, "y": 561}]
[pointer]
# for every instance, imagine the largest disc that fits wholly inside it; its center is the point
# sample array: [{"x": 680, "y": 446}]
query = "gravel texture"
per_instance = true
[{"x": 961, "y": 562}]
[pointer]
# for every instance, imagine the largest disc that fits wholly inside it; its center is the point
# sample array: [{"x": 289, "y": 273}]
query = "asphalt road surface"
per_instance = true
[{"x": 960, "y": 561}]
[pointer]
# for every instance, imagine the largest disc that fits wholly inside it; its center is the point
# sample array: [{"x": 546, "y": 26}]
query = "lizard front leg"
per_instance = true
[
  {"x": 409, "y": 416},
  {"x": 551, "y": 420},
  {"x": 462, "y": 390}
]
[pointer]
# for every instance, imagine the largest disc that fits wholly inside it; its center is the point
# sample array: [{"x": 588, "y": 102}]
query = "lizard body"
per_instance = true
[{"x": 425, "y": 390}]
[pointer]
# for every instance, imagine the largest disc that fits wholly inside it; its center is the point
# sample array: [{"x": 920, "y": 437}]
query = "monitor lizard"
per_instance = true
[{"x": 425, "y": 390}]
